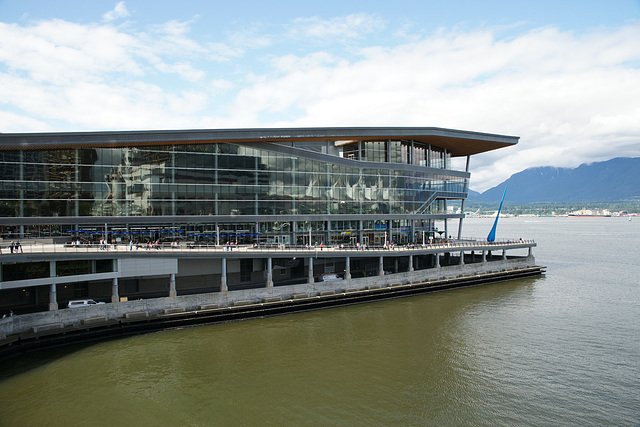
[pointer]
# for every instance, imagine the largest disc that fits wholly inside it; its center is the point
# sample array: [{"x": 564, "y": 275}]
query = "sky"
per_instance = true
[{"x": 562, "y": 75}]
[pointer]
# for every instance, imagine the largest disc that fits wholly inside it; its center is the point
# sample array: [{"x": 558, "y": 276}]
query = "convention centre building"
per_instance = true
[{"x": 140, "y": 215}]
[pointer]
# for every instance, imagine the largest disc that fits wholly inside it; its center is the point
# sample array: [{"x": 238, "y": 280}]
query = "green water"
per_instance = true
[{"x": 560, "y": 349}]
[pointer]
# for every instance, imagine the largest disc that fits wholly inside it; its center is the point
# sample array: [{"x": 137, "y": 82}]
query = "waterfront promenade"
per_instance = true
[
  {"x": 466, "y": 244},
  {"x": 202, "y": 283}
]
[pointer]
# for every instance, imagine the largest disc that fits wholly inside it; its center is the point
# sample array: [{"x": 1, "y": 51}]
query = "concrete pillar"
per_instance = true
[
  {"x": 381, "y": 266},
  {"x": 504, "y": 254},
  {"x": 411, "y": 263},
  {"x": 294, "y": 224},
  {"x": 269, "y": 273},
  {"x": 347, "y": 269},
  {"x": 396, "y": 265},
  {"x": 172, "y": 286},
  {"x": 310, "y": 273},
  {"x": 484, "y": 256},
  {"x": 115, "y": 297},
  {"x": 53, "y": 298},
  {"x": 446, "y": 223},
  {"x": 412, "y": 230},
  {"x": 437, "y": 260},
  {"x": 224, "y": 287},
  {"x": 530, "y": 252},
  {"x": 461, "y": 258}
]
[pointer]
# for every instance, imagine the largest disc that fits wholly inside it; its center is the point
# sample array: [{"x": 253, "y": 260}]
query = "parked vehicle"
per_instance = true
[
  {"x": 329, "y": 277},
  {"x": 83, "y": 303}
]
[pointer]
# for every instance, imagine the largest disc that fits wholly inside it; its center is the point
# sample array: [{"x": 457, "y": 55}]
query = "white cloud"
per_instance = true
[
  {"x": 120, "y": 11},
  {"x": 572, "y": 98},
  {"x": 58, "y": 52},
  {"x": 339, "y": 28},
  {"x": 96, "y": 76}
]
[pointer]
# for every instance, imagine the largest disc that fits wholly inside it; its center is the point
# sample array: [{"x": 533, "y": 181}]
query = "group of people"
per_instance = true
[
  {"x": 153, "y": 244},
  {"x": 15, "y": 247},
  {"x": 229, "y": 245}
]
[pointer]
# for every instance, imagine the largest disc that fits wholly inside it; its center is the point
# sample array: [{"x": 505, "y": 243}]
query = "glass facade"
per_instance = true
[
  {"x": 406, "y": 152},
  {"x": 217, "y": 191},
  {"x": 213, "y": 179}
]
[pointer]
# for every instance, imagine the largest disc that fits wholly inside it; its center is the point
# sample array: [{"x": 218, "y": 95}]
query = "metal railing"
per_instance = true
[{"x": 189, "y": 247}]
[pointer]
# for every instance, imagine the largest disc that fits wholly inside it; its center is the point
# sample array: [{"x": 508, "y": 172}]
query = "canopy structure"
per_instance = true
[{"x": 457, "y": 142}]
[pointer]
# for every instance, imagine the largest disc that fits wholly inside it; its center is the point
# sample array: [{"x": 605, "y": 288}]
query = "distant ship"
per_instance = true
[{"x": 589, "y": 214}]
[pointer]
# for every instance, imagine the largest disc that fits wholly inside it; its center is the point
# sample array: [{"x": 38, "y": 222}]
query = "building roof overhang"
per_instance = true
[{"x": 457, "y": 142}]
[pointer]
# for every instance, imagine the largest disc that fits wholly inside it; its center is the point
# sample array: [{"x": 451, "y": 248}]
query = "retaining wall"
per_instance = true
[{"x": 73, "y": 317}]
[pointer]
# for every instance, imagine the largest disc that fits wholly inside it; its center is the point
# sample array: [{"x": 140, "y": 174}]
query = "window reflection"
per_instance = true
[{"x": 218, "y": 179}]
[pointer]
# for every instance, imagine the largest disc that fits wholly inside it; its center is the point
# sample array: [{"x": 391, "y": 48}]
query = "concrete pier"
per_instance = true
[{"x": 138, "y": 279}]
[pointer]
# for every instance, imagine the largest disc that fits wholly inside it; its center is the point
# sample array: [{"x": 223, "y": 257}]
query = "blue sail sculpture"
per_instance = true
[{"x": 492, "y": 234}]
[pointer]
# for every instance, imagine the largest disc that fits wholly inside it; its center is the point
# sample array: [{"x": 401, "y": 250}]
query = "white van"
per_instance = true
[
  {"x": 83, "y": 303},
  {"x": 329, "y": 277}
]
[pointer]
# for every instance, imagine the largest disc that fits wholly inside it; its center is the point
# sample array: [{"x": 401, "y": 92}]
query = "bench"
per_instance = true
[
  {"x": 137, "y": 315},
  {"x": 173, "y": 310},
  {"x": 48, "y": 327}
]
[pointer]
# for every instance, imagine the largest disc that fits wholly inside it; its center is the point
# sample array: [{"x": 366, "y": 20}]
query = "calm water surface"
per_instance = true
[{"x": 563, "y": 349}]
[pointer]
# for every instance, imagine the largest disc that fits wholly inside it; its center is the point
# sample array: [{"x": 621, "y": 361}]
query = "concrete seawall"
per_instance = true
[{"x": 43, "y": 329}]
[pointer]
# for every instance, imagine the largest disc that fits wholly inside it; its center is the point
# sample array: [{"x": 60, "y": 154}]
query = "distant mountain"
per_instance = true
[
  {"x": 474, "y": 195},
  {"x": 613, "y": 180}
]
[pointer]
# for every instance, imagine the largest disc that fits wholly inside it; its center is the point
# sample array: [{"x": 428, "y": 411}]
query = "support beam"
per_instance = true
[
  {"x": 115, "y": 297},
  {"x": 446, "y": 222},
  {"x": 484, "y": 256},
  {"x": 53, "y": 298},
  {"x": 437, "y": 260},
  {"x": 172, "y": 286},
  {"x": 347, "y": 269},
  {"x": 224, "y": 287},
  {"x": 411, "y": 263},
  {"x": 381, "y": 266},
  {"x": 310, "y": 268},
  {"x": 269, "y": 273},
  {"x": 462, "y": 202},
  {"x": 504, "y": 254},
  {"x": 461, "y": 258}
]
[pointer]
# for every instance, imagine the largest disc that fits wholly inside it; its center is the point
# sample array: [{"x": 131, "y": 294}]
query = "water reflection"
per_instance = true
[{"x": 410, "y": 360}]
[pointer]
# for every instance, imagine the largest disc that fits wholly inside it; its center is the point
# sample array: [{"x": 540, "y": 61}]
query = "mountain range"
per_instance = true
[{"x": 612, "y": 180}]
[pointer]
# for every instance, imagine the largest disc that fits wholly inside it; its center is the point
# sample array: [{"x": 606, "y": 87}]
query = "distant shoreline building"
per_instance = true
[{"x": 151, "y": 215}]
